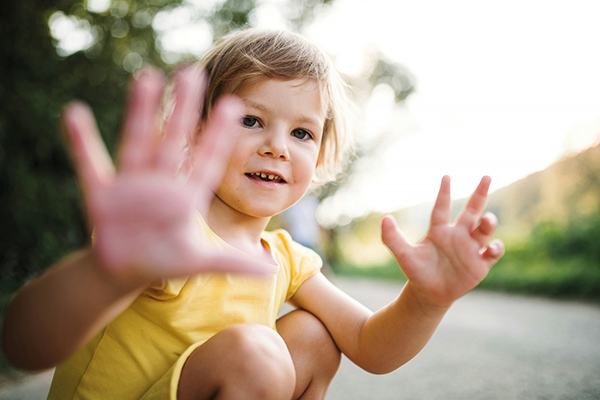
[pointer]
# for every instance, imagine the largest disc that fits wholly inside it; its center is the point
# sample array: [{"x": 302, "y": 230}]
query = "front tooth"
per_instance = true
[
  {"x": 263, "y": 175},
  {"x": 271, "y": 177}
]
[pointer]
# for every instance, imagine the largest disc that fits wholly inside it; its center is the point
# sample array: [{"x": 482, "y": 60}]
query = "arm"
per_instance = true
[
  {"x": 57, "y": 313},
  {"x": 144, "y": 215},
  {"x": 377, "y": 342},
  {"x": 449, "y": 262}
]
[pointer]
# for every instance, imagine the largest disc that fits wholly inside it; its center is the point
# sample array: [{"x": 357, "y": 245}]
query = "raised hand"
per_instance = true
[
  {"x": 453, "y": 258},
  {"x": 145, "y": 212}
]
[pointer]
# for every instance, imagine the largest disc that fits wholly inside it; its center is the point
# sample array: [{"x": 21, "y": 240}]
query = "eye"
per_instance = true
[
  {"x": 301, "y": 134},
  {"x": 250, "y": 122}
]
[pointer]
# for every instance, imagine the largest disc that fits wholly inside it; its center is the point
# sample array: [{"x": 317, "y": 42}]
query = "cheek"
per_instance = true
[
  {"x": 239, "y": 154},
  {"x": 306, "y": 170}
]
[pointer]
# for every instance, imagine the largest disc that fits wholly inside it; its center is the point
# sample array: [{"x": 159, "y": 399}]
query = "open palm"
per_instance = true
[
  {"x": 453, "y": 258},
  {"x": 145, "y": 212}
]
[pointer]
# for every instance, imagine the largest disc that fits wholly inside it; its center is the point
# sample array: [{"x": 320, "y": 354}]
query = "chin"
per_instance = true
[{"x": 266, "y": 213}]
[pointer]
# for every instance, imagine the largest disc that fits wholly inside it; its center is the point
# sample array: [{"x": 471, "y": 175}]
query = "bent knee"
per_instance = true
[
  {"x": 253, "y": 341},
  {"x": 301, "y": 329},
  {"x": 260, "y": 358},
  {"x": 243, "y": 361}
]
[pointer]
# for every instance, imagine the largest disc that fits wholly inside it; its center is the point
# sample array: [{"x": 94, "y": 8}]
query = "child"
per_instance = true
[{"x": 178, "y": 295}]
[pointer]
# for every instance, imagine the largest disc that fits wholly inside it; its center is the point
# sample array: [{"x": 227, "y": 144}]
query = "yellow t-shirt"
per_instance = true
[{"x": 135, "y": 350}]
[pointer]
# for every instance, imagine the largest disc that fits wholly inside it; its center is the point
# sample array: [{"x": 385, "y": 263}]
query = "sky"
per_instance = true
[{"x": 503, "y": 88}]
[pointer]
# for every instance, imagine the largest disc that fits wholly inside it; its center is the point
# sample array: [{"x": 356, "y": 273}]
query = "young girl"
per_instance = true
[{"x": 178, "y": 295}]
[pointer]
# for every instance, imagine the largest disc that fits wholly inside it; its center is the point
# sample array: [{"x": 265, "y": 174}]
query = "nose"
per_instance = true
[{"x": 275, "y": 144}]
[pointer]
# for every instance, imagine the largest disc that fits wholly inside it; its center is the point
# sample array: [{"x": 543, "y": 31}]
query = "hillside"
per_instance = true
[{"x": 568, "y": 189}]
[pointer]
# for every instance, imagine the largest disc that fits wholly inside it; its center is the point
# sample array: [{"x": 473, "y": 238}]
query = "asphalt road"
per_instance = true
[{"x": 489, "y": 346}]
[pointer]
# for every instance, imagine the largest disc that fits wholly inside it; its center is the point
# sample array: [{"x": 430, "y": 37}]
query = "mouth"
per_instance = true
[{"x": 265, "y": 176}]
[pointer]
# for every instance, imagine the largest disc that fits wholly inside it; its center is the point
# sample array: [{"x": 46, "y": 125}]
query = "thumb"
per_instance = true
[
  {"x": 238, "y": 264},
  {"x": 394, "y": 239},
  {"x": 494, "y": 252},
  {"x": 198, "y": 260}
]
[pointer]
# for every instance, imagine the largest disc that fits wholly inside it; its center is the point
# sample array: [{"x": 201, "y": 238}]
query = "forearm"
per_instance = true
[
  {"x": 377, "y": 342},
  {"x": 396, "y": 333},
  {"x": 57, "y": 313}
]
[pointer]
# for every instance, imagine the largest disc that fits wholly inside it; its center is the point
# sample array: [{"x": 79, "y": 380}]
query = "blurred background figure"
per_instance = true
[{"x": 301, "y": 222}]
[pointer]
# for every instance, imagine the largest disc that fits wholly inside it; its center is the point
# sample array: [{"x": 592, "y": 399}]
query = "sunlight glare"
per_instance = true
[
  {"x": 98, "y": 6},
  {"x": 499, "y": 86},
  {"x": 178, "y": 34},
  {"x": 71, "y": 33},
  {"x": 268, "y": 15}
]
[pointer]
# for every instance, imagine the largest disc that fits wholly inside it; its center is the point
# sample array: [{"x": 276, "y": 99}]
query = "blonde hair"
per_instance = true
[{"x": 251, "y": 55}]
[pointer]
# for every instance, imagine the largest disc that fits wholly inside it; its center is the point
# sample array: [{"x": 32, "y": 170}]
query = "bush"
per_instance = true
[{"x": 558, "y": 261}]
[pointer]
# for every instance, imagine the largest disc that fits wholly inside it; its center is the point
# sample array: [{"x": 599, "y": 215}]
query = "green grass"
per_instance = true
[{"x": 576, "y": 277}]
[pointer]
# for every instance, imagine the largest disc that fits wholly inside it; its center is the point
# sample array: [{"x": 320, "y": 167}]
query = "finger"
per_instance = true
[
  {"x": 441, "y": 210},
  {"x": 475, "y": 206},
  {"x": 195, "y": 259},
  {"x": 394, "y": 240},
  {"x": 238, "y": 264},
  {"x": 493, "y": 252},
  {"x": 486, "y": 228},
  {"x": 93, "y": 164},
  {"x": 214, "y": 148},
  {"x": 183, "y": 120},
  {"x": 141, "y": 121}
]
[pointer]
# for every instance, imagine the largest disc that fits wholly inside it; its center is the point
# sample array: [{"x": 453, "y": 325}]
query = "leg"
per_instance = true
[
  {"x": 241, "y": 362},
  {"x": 316, "y": 357}
]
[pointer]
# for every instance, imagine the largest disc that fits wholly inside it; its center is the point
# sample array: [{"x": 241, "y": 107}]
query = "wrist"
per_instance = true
[
  {"x": 119, "y": 284},
  {"x": 422, "y": 302}
]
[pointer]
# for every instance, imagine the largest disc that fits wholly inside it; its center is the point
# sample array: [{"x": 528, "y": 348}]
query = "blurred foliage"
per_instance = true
[
  {"x": 558, "y": 260},
  {"x": 578, "y": 238},
  {"x": 394, "y": 74},
  {"x": 40, "y": 211}
]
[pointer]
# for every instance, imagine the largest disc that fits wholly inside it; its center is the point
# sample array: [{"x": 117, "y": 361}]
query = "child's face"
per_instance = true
[{"x": 276, "y": 152}]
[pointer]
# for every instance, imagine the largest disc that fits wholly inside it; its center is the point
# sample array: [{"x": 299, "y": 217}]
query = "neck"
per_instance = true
[{"x": 239, "y": 230}]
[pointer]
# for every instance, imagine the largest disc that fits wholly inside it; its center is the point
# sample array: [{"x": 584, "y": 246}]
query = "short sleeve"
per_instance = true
[
  {"x": 299, "y": 261},
  {"x": 166, "y": 289}
]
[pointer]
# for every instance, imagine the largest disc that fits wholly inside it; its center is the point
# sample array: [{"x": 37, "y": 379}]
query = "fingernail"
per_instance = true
[{"x": 144, "y": 72}]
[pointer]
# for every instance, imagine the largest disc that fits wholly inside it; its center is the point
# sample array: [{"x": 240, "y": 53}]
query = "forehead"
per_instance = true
[
  {"x": 302, "y": 96},
  {"x": 250, "y": 84}
]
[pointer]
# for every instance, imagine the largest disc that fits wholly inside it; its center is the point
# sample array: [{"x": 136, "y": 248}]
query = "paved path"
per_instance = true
[{"x": 489, "y": 346}]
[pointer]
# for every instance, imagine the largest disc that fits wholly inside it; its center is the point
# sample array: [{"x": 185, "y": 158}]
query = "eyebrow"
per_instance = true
[{"x": 257, "y": 106}]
